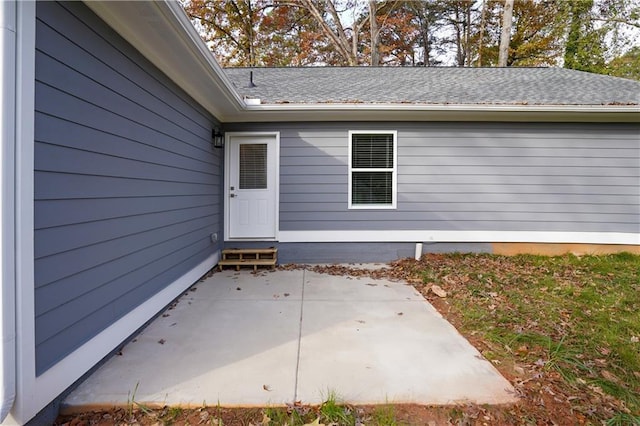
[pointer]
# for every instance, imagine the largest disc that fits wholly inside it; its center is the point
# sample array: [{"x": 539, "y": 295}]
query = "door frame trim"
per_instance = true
[{"x": 227, "y": 179}]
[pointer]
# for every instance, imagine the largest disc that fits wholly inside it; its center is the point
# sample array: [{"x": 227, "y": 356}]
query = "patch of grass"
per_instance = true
[
  {"x": 277, "y": 416},
  {"x": 217, "y": 418},
  {"x": 456, "y": 415},
  {"x": 571, "y": 323},
  {"x": 384, "y": 415},
  {"x": 332, "y": 411},
  {"x": 133, "y": 405},
  {"x": 171, "y": 415},
  {"x": 624, "y": 419}
]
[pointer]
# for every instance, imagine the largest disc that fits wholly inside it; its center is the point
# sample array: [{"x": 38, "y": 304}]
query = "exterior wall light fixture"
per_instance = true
[{"x": 217, "y": 137}]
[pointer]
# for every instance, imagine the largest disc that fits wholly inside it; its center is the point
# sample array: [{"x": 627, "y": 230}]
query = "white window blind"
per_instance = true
[
  {"x": 253, "y": 166},
  {"x": 372, "y": 151},
  {"x": 372, "y": 173}
]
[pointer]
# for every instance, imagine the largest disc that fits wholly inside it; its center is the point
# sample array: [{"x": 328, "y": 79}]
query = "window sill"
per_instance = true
[{"x": 372, "y": 207}]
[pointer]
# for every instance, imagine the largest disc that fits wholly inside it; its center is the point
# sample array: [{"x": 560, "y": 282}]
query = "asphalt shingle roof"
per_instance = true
[{"x": 430, "y": 85}]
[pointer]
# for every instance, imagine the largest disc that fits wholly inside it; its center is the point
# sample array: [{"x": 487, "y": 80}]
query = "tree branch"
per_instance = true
[
  {"x": 218, "y": 28},
  {"x": 618, "y": 21},
  {"x": 344, "y": 51}
]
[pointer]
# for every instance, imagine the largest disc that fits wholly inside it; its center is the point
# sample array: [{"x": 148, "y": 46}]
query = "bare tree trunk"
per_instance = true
[
  {"x": 483, "y": 23},
  {"x": 339, "y": 40},
  {"x": 373, "y": 25},
  {"x": 251, "y": 35},
  {"x": 460, "y": 58},
  {"x": 354, "y": 40},
  {"x": 467, "y": 34},
  {"x": 427, "y": 44},
  {"x": 505, "y": 36}
]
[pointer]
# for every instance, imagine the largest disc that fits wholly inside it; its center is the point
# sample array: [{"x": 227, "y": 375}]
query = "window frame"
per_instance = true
[{"x": 393, "y": 170}]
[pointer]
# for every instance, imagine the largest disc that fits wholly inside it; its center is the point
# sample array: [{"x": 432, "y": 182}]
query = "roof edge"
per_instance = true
[
  {"x": 162, "y": 32},
  {"x": 436, "y": 112},
  {"x": 203, "y": 50}
]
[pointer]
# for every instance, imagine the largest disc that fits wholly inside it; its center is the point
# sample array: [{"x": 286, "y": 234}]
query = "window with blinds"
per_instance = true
[
  {"x": 253, "y": 166},
  {"x": 372, "y": 162}
]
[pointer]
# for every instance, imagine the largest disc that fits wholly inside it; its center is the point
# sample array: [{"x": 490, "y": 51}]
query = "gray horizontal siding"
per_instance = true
[
  {"x": 468, "y": 176},
  {"x": 127, "y": 184}
]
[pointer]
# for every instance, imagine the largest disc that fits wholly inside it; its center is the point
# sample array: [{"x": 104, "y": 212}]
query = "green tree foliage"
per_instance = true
[
  {"x": 626, "y": 65},
  {"x": 533, "y": 41},
  {"x": 585, "y": 44}
]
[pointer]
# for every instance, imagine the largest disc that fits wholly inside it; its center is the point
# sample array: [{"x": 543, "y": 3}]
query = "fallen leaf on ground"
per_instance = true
[
  {"x": 596, "y": 389},
  {"x": 438, "y": 291},
  {"x": 604, "y": 351},
  {"x": 609, "y": 376}
]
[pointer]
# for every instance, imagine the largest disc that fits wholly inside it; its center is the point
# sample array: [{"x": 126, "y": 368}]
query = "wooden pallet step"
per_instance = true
[
  {"x": 248, "y": 251},
  {"x": 250, "y": 254},
  {"x": 247, "y": 262}
]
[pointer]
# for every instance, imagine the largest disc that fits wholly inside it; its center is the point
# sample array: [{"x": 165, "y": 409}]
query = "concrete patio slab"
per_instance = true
[{"x": 243, "y": 339}]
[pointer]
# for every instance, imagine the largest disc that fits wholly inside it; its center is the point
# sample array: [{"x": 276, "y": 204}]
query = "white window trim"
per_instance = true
[{"x": 394, "y": 170}]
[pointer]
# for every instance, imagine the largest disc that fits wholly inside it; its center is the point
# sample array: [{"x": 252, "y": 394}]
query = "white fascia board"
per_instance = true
[
  {"x": 431, "y": 112},
  {"x": 413, "y": 236}
]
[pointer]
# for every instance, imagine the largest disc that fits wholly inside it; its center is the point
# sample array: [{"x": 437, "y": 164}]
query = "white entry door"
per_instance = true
[{"x": 252, "y": 186}]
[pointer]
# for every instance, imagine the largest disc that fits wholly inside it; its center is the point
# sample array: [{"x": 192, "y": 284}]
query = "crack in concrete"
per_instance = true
[{"x": 295, "y": 386}]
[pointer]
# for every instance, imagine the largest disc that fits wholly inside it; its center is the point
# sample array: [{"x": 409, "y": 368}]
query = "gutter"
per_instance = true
[
  {"x": 431, "y": 112},
  {"x": 8, "y": 20},
  {"x": 444, "y": 107}
]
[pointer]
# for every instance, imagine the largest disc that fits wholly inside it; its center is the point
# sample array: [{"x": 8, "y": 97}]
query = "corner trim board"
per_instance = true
[
  {"x": 9, "y": 78},
  {"x": 24, "y": 212},
  {"x": 339, "y": 236}
]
